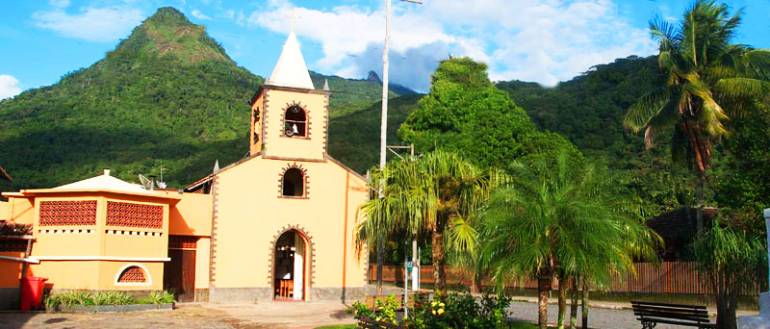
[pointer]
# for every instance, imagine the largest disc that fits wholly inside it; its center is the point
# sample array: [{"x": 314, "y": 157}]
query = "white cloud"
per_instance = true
[
  {"x": 59, "y": 3},
  {"x": 92, "y": 24},
  {"x": 545, "y": 41},
  {"x": 199, "y": 15},
  {"x": 9, "y": 86}
]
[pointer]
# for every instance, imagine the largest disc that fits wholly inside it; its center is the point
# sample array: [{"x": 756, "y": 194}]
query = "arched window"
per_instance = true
[
  {"x": 132, "y": 274},
  {"x": 293, "y": 182},
  {"x": 295, "y": 122}
]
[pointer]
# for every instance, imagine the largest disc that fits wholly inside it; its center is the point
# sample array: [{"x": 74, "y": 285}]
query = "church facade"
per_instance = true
[
  {"x": 297, "y": 214},
  {"x": 276, "y": 225}
]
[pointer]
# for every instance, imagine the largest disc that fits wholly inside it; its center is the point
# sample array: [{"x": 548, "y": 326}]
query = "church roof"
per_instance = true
[
  {"x": 103, "y": 182},
  {"x": 290, "y": 70}
]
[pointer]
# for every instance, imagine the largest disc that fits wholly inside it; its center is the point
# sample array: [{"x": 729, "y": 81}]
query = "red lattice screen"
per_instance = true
[
  {"x": 134, "y": 215},
  {"x": 132, "y": 274},
  {"x": 68, "y": 213}
]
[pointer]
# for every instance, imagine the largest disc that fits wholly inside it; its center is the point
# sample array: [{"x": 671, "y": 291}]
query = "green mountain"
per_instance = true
[
  {"x": 168, "y": 96},
  {"x": 589, "y": 111},
  {"x": 354, "y": 138}
]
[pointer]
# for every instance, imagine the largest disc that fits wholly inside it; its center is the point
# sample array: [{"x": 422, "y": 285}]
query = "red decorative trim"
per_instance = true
[
  {"x": 134, "y": 215},
  {"x": 67, "y": 213},
  {"x": 132, "y": 274}
]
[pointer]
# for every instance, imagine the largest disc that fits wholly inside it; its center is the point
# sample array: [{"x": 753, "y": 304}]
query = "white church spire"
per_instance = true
[{"x": 291, "y": 71}]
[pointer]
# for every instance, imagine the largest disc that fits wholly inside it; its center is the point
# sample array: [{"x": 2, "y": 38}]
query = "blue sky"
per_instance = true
[{"x": 545, "y": 41}]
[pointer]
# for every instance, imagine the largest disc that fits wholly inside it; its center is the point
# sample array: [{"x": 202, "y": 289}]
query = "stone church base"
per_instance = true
[
  {"x": 257, "y": 295},
  {"x": 762, "y": 321}
]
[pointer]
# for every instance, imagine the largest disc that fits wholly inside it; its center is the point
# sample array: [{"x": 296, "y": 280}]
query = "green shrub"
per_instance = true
[
  {"x": 112, "y": 298},
  {"x": 452, "y": 311},
  {"x": 85, "y": 298},
  {"x": 158, "y": 297}
]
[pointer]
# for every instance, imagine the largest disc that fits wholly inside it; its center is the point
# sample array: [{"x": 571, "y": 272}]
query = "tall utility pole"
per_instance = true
[
  {"x": 383, "y": 135},
  {"x": 384, "y": 127}
]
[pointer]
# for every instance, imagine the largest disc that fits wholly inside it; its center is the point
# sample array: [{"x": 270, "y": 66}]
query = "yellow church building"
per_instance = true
[{"x": 276, "y": 225}]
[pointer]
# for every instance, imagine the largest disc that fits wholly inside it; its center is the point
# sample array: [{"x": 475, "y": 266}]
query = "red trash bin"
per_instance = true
[{"x": 32, "y": 292}]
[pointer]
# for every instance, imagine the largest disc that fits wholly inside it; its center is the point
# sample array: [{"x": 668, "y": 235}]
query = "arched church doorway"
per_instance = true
[{"x": 290, "y": 266}]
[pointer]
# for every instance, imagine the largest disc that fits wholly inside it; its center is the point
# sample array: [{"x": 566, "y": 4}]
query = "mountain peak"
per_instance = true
[
  {"x": 373, "y": 77},
  {"x": 169, "y": 16},
  {"x": 168, "y": 33}
]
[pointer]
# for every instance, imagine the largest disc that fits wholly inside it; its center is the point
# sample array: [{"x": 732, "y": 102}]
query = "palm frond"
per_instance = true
[{"x": 645, "y": 109}]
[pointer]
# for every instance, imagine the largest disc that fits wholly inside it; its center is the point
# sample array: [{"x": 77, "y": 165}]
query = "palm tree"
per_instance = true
[
  {"x": 434, "y": 195},
  {"x": 706, "y": 79},
  {"x": 553, "y": 221}
]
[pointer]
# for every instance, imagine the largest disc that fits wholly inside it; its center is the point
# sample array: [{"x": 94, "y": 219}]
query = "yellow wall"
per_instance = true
[
  {"x": 19, "y": 210},
  {"x": 87, "y": 249},
  {"x": 5, "y": 210},
  {"x": 69, "y": 275},
  {"x": 251, "y": 214},
  {"x": 202, "y": 252},
  {"x": 275, "y": 144},
  {"x": 191, "y": 215}
]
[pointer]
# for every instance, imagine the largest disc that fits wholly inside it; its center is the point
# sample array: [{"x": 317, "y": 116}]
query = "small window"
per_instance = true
[
  {"x": 293, "y": 182},
  {"x": 296, "y": 122},
  {"x": 132, "y": 274}
]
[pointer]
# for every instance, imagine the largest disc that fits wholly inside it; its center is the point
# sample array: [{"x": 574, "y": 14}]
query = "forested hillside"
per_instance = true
[
  {"x": 168, "y": 96},
  {"x": 589, "y": 111}
]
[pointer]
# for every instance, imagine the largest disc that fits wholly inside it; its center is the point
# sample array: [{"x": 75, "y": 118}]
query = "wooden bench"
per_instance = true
[{"x": 650, "y": 314}]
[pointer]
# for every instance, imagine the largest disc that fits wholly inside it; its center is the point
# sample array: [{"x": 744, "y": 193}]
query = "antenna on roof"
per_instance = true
[
  {"x": 161, "y": 182},
  {"x": 147, "y": 183}
]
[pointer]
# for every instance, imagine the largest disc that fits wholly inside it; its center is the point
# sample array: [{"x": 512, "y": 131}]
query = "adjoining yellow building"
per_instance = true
[{"x": 277, "y": 224}]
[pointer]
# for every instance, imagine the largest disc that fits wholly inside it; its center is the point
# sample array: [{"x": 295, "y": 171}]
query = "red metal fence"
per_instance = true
[{"x": 663, "y": 278}]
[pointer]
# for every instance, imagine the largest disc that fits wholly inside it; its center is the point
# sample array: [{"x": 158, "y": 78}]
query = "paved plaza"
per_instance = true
[{"x": 286, "y": 315}]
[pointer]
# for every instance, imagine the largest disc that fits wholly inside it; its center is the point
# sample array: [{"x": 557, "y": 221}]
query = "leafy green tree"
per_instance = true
[
  {"x": 706, "y": 77},
  {"x": 732, "y": 260},
  {"x": 556, "y": 221},
  {"x": 433, "y": 195},
  {"x": 465, "y": 113},
  {"x": 740, "y": 172}
]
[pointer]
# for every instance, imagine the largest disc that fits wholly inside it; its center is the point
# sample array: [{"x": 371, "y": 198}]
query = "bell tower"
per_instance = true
[{"x": 288, "y": 115}]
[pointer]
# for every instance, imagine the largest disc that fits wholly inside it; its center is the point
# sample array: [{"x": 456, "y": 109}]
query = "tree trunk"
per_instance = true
[
  {"x": 562, "y": 302},
  {"x": 573, "y": 307},
  {"x": 439, "y": 263},
  {"x": 584, "y": 304},
  {"x": 700, "y": 199},
  {"x": 380, "y": 258},
  {"x": 543, "y": 289},
  {"x": 726, "y": 307},
  {"x": 476, "y": 286}
]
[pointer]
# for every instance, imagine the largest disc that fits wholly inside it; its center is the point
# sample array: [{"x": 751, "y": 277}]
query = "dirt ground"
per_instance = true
[{"x": 215, "y": 316}]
